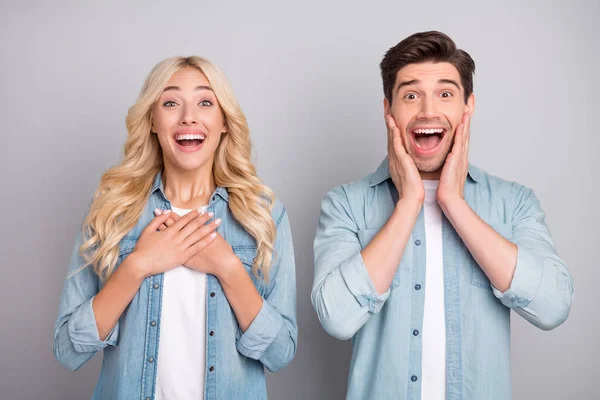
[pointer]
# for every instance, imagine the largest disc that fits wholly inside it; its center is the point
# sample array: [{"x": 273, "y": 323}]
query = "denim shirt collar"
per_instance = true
[
  {"x": 383, "y": 173},
  {"x": 158, "y": 185}
]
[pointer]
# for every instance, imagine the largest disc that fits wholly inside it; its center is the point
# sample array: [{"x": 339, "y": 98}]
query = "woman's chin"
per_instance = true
[{"x": 187, "y": 166}]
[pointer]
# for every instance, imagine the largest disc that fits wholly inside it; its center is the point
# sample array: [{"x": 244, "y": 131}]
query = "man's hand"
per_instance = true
[
  {"x": 403, "y": 170},
  {"x": 456, "y": 167}
]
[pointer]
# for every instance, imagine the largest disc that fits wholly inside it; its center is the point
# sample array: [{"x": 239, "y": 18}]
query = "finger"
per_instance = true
[
  {"x": 398, "y": 143},
  {"x": 200, "y": 233},
  {"x": 199, "y": 245},
  {"x": 458, "y": 139},
  {"x": 170, "y": 222},
  {"x": 162, "y": 227},
  {"x": 393, "y": 129},
  {"x": 156, "y": 223},
  {"x": 183, "y": 221},
  {"x": 194, "y": 225},
  {"x": 175, "y": 217},
  {"x": 390, "y": 122},
  {"x": 389, "y": 125},
  {"x": 467, "y": 133}
]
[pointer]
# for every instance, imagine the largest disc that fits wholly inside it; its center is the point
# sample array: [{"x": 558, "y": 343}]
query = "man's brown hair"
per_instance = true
[{"x": 424, "y": 47}]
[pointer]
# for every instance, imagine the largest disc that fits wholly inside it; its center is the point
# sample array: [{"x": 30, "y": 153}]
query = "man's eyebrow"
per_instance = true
[
  {"x": 449, "y": 81},
  {"x": 407, "y": 83}
]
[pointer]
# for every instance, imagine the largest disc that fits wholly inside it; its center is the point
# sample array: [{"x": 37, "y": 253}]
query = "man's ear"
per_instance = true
[
  {"x": 386, "y": 107},
  {"x": 470, "y": 106}
]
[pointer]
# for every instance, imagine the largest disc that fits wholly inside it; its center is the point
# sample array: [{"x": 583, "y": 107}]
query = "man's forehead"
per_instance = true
[{"x": 427, "y": 71}]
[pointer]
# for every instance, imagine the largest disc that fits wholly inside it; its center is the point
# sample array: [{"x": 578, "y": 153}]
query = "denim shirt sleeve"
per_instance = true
[
  {"x": 343, "y": 294},
  {"x": 542, "y": 288},
  {"x": 76, "y": 337},
  {"x": 272, "y": 336}
]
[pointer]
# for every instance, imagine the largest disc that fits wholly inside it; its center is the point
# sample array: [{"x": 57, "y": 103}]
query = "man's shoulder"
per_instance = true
[{"x": 498, "y": 185}]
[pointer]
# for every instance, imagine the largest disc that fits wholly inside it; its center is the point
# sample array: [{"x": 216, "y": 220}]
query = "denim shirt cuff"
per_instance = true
[
  {"x": 355, "y": 274},
  {"x": 261, "y": 332},
  {"x": 83, "y": 330},
  {"x": 526, "y": 280}
]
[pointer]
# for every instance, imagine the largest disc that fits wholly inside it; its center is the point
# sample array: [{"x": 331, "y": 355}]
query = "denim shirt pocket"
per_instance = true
[
  {"x": 247, "y": 254},
  {"x": 126, "y": 246},
  {"x": 478, "y": 277},
  {"x": 364, "y": 237}
]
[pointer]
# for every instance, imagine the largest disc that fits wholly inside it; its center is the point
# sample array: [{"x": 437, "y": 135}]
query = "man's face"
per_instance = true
[{"x": 427, "y": 105}]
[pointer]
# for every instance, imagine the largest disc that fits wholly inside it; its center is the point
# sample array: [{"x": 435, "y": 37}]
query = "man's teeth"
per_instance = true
[
  {"x": 191, "y": 136},
  {"x": 428, "y": 131}
]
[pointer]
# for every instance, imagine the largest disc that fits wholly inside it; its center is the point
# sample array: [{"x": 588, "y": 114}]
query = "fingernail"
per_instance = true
[
  {"x": 201, "y": 210},
  {"x": 157, "y": 211},
  {"x": 211, "y": 214},
  {"x": 166, "y": 211},
  {"x": 218, "y": 221},
  {"x": 212, "y": 235}
]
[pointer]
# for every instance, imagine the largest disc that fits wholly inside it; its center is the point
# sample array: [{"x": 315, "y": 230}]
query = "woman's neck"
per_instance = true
[{"x": 188, "y": 189}]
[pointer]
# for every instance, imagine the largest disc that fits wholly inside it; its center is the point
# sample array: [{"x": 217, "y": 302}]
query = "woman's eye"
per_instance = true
[
  {"x": 169, "y": 104},
  {"x": 205, "y": 103}
]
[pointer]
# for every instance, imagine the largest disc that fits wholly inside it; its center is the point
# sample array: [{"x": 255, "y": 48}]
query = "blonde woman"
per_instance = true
[{"x": 184, "y": 272}]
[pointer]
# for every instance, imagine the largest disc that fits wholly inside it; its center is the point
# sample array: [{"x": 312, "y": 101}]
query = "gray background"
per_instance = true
[{"x": 306, "y": 75}]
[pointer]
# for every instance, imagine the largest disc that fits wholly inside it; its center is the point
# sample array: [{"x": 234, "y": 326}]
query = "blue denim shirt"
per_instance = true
[
  {"x": 386, "y": 356},
  {"x": 234, "y": 361}
]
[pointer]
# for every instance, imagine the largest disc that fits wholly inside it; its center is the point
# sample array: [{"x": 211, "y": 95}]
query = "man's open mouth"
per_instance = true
[{"x": 427, "y": 139}]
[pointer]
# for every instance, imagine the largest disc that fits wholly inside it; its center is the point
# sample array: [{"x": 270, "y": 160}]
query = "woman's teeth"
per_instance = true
[{"x": 190, "y": 136}]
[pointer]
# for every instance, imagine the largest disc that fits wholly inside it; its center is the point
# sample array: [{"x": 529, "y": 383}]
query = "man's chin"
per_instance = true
[{"x": 430, "y": 167}]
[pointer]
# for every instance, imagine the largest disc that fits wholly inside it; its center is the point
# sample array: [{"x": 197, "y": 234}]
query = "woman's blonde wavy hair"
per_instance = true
[{"x": 124, "y": 188}]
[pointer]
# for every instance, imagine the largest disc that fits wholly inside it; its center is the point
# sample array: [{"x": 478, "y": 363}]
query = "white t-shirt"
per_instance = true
[
  {"x": 433, "y": 386},
  {"x": 181, "y": 356}
]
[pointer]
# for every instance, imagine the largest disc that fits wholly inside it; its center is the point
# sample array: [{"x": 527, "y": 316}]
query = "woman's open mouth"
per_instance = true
[{"x": 189, "y": 142}]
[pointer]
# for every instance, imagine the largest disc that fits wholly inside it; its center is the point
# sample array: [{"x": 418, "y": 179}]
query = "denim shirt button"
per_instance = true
[
  {"x": 153, "y": 323},
  {"x": 211, "y": 369},
  {"x": 155, "y": 286},
  {"x": 212, "y": 294},
  {"x": 418, "y": 242},
  {"x": 151, "y": 360},
  {"x": 212, "y": 333},
  {"x": 416, "y": 332},
  {"x": 417, "y": 287},
  {"x": 413, "y": 378}
]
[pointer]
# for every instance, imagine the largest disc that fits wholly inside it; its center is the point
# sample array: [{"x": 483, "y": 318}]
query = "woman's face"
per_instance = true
[{"x": 188, "y": 121}]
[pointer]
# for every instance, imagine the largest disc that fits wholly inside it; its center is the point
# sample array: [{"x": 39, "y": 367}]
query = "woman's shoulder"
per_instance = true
[{"x": 278, "y": 211}]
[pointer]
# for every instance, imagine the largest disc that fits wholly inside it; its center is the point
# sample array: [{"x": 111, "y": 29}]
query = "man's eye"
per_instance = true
[
  {"x": 410, "y": 96},
  {"x": 446, "y": 94}
]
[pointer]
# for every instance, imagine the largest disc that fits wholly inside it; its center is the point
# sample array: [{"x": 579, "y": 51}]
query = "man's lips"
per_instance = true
[{"x": 426, "y": 140}]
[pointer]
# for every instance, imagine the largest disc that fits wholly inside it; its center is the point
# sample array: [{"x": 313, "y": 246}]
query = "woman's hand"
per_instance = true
[
  {"x": 217, "y": 259},
  {"x": 158, "y": 251}
]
